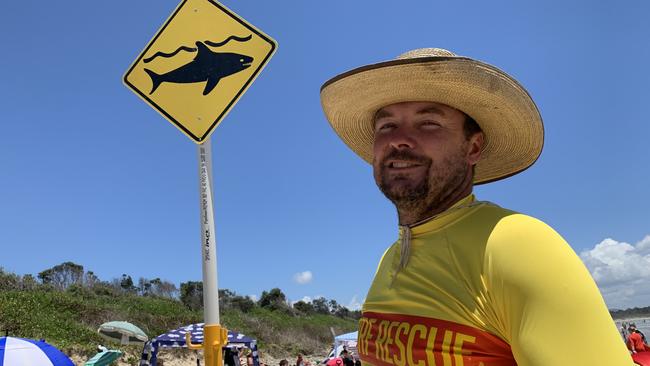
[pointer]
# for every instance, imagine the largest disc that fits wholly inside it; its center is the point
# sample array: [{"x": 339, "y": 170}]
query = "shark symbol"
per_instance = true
[{"x": 207, "y": 66}]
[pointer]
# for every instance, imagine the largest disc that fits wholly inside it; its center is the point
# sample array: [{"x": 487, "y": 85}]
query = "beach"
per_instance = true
[{"x": 185, "y": 357}]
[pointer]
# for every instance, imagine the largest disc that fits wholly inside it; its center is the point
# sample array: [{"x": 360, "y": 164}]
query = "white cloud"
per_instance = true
[
  {"x": 303, "y": 278},
  {"x": 355, "y": 304},
  {"x": 253, "y": 297},
  {"x": 622, "y": 272}
]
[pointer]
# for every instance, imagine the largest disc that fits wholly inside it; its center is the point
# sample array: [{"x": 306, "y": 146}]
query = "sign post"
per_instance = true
[
  {"x": 208, "y": 244},
  {"x": 193, "y": 71},
  {"x": 215, "y": 336}
]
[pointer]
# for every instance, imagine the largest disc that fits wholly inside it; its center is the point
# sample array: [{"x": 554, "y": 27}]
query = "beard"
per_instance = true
[{"x": 420, "y": 197}]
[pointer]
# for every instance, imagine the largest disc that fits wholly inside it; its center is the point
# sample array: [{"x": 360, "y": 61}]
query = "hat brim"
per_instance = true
[{"x": 510, "y": 120}]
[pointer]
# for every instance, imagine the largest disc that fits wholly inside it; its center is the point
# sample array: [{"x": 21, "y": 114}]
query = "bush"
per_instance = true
[
  {"x": 105, "y": 289},
  {"x": 273, "y": 300},
  {"x": 9, "y": 281},
  {"x": 192, "y": 294},
  {"x": 230, "y": 300},
  {"x": 80, "y": 291},
  {"x": 28, "y": 283},
  {"x": 69, "y": 319},
  {"x": 304, "y": 307}
]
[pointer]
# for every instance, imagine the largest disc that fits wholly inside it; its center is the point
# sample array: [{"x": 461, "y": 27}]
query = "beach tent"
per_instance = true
[
  {"x": 347, "y": 340},
  {"x": 22, "y": 352},
  {"x": 176, "y": 338}
]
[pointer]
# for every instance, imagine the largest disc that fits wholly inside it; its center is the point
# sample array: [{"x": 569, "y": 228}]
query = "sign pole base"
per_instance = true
[{"x": 214, "y": 339}]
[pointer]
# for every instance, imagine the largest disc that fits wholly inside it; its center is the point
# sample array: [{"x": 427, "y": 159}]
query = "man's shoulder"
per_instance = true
[
  {"x": 504, "y": 228},
  {"x": 509, "y": 219},
  {"x": 493, "y": 209},
  {"x": 524, "y": 238}
]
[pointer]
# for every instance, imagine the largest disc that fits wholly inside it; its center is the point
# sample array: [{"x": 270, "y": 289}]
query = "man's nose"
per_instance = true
[{"x": 402, "y": 139}]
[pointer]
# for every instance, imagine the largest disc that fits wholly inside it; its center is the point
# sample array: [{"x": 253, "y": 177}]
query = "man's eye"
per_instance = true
[
  {"x": 385, "y": 127},
  {"x": 430, "y": 124}
]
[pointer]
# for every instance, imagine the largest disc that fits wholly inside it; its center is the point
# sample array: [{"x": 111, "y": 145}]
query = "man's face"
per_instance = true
[{"x": 421, "y": 155}]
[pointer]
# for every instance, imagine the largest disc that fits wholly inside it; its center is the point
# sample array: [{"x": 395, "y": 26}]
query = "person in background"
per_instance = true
[
  {"x": 635, "y": 341},
  {"x": 642, "y": 335},
  {"x": 347, "y": 360},
  {"x": 284, "y": 363},
  {"x": 300, "y": 361},
  {"x": 249, "y": 359}
]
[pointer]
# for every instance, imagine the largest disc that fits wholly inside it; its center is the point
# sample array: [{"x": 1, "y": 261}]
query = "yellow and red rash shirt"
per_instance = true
[{"x": 485, "y": 286}]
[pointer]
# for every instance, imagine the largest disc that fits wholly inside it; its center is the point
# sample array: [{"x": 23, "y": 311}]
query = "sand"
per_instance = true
[{"x": 184, "y": 357}]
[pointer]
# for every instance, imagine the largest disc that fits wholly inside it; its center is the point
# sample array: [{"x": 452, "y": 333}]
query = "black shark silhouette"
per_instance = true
[{"x": 207, "y": 66}]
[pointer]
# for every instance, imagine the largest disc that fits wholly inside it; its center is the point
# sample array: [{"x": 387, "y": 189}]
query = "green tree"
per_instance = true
[
  {"x": 230, "y": 300},
  {"x": 90, "y": 279},
  {"x": 127, "y": 283},
  {"x": 62, "y": 275},
  {"x": 304, "y": 307},
  {"x": 155, "y": 283},
  {"x": 342, "y": 312},
  {"x": 192, "y": 294},
  {"x": 355, "y": 314},
  {"x": 274, "y": 299},
  {"x": 28, "y": 283},
  {"x": 164, "y": 288},
  {"x": 45, "y": 276},
  {"x": 321, "y": 306},
  {"x": 8, "y": 280},
  {"x": 144, "y": 287},
  {"x": 243, "y": 303}
]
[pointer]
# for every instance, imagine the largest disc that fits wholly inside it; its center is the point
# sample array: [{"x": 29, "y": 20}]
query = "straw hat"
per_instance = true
[{"x": 514, "y": 133}]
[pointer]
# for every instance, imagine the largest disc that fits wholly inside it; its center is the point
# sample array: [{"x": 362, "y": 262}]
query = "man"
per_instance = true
[
  {"x": 300, "y": 361},
  {"x": 345, "y": 356},
  {"x": 467, "y": 282},
  {"x": 250, "y": 360}
]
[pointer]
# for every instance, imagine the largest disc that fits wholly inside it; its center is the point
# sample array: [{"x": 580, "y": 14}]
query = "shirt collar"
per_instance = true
[{"x": 440, "y": 220}]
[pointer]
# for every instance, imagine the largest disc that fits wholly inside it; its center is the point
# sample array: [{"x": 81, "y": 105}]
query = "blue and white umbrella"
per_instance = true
[
  {"x": 28, "y": 352},
  {"x": 176, "y": 338}
]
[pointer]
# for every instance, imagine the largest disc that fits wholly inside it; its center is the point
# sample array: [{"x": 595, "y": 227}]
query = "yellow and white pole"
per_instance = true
[{"x": 214, "y": 336}]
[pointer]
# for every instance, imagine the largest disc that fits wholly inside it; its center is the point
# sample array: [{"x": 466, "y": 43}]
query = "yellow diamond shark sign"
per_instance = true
[{"x": 198, "y": 65}]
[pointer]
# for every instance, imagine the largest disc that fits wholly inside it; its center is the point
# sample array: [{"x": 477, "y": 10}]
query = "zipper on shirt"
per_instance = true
[{"x": 406, "y": 235}]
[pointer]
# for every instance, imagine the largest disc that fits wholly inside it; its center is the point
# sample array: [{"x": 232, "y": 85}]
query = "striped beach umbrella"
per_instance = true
[
  {"x": 28, "y": 352},
  {"x": 122, "y": 332}
]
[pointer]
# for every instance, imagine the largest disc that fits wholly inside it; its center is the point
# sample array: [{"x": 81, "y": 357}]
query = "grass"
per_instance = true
[{"x": 69, "y": 320}]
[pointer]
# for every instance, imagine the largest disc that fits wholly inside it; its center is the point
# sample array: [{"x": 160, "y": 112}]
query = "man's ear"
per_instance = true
[{"x": 475, "y": 142}]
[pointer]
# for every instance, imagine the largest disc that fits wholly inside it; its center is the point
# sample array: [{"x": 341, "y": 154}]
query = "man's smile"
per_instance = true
[{"x": 401, "y": 165}]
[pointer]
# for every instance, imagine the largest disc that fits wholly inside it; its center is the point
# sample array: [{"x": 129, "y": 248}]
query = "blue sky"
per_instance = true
[{"x": 91, "y": 174}]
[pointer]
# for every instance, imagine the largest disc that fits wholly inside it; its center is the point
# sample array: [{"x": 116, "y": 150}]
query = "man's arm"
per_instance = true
[
  {"x": 634, "y": 337},
  {"x": 546, "y": 299}
]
